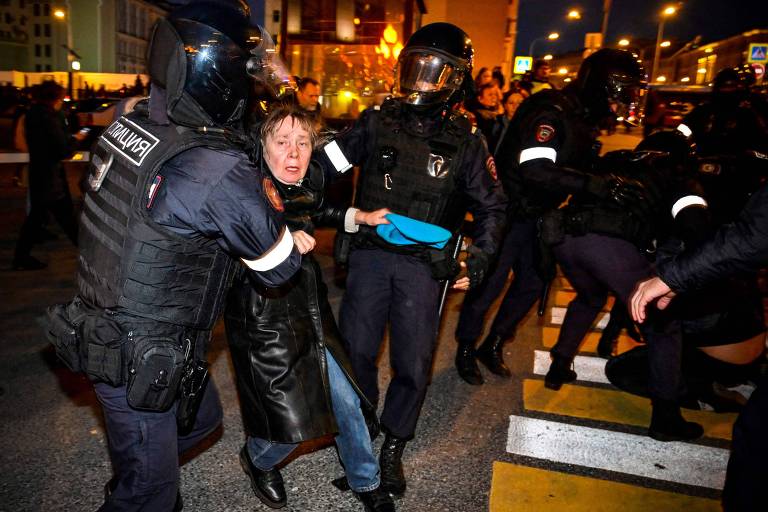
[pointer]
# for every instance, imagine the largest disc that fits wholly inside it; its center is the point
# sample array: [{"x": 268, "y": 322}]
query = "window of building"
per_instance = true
[
  {"x": 38, "y": 67},
  {"x": 37, "y": 30},
  {"x": 47, "y": 50},
  {"x": 22, "y": 4},
  {"x": 48, "y": 67},
  {"x": 46, "y": 10},
  {"x": 8, "y": 18},
  {"x": 36, "y": 9},
  {"x": 37, "y": 50},
  {"x": 47, "y": 30}
]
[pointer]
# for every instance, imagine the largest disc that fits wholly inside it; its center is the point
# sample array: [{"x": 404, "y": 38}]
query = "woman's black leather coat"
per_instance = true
[{"x": 277, "y": 336}]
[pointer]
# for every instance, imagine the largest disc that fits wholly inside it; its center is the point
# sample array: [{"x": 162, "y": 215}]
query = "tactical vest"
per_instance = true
[
  {"x": 128, "y": 262},
  {"x": 414, "y": 175}
]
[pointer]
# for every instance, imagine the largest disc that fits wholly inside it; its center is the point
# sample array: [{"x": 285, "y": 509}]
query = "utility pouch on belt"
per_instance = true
[
  {"x": 106, "y": 348},
  {"x": 341, "y": 247},
  {"x": 193, "y": 384},
  {"x": 62, "y": 328},
  {"x": 154, "y": 375},
  {"x": 552, "y": 227}
]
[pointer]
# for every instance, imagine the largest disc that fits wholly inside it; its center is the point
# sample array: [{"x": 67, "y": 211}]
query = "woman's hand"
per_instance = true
[
  {"x": 303, "y": 242},
  {"x": 373, "y": 218}
]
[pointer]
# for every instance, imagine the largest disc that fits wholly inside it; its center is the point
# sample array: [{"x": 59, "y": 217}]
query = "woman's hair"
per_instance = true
[{"x": 281, "y": 111}]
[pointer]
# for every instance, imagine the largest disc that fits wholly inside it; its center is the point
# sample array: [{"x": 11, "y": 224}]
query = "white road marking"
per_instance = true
[
  {"x": 558, "y": 314},
  {"x": 589, "y": 369},
  {"x": 631, "y": 454}
]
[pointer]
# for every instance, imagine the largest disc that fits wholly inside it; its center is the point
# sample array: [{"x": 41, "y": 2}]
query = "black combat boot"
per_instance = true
[
  {"x": 377, "y": 500},
  {"x": 559, "y": 373},
  {"x": 491, "y": 355},
  {"x": 667, "y": 424},
  {"x": 466, "y": 364},
  {"x": 391, "y": 464},
  {"x": 267, "y": 485}
]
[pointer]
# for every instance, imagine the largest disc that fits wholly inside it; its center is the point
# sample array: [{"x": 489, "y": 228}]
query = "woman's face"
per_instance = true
[
  {"x": 485, "y": 77},
  {"x": 512, "y": 103},
  {"x": 287, "y": 151}
]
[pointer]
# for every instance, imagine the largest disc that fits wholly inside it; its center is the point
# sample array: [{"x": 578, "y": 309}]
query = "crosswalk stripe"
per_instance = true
[
  {"x": 631, "y": 454},
  {"x": 558, "y": 314},
  {"x": 516, "y": 487},
  {"x": 549, "y": 338},
  {"x": 589, "y": 369},
  {"x": 613, "y": 406}
]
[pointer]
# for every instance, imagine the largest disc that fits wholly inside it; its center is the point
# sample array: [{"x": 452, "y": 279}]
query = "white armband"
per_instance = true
[{"x": 278, "y": 253}]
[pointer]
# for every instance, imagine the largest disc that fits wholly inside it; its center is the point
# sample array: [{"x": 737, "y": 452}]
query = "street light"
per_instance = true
[
  {"x": 624, "y": 42},
  {"x": 665, "y": 44},
  {"x": 573, "y": 14},
  {"x": 547, "y": 56},
  {"x": 59, "y": 13},
  {"x": 667, "y": 12},
  {"x": 553, "y": 36}
]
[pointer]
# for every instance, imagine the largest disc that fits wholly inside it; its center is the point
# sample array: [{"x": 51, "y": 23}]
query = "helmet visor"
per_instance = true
[
  {"x": 266, "y": 66},
  {"x": 423, "y": 75},
  {"x": 626, "y": 99}
]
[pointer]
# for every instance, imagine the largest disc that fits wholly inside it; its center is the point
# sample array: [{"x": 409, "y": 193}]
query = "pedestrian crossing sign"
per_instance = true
[
  {"x": 758, "y": 52},
  {"x": 522, "y": 64}
]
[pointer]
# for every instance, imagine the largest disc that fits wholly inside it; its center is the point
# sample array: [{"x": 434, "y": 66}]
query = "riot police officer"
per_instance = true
[
  {"x": 174, "y": 205},
  {"x": 601, "y": 247},
  {"x": 421, "y": 159},
  {"x": 546, "y": 153},
  {"x": 730, "y": 132}
]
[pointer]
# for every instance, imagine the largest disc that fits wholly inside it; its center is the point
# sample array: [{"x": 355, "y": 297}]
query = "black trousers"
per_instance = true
[
  {"x": 747, "y": 472},
  {"x": 61, "y": 209},
  {"x": 596, "y": 265},
  {"x": 517, "y": 254},
  {"x": 387, "y": 288},
  {"x": 145, "y": 447}
]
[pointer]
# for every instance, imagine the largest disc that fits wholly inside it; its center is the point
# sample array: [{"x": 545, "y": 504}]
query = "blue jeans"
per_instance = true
[{"x": 353, "y": 440}]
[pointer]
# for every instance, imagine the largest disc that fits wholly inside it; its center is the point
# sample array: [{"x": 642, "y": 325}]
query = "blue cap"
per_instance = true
[{"x": 403, "y": 230}]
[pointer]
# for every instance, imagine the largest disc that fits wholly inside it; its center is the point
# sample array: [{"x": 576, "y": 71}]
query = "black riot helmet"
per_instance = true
[
  {"x": 434, "y": 64},
  {"x": 610, "y": 82},
  {"x": 731, "y": 85},
  {"x": 206, "y": 55}
]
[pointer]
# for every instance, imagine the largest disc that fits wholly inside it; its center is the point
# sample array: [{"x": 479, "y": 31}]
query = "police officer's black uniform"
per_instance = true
[
  {"x": 421, "y": 159},
  {"x": 174, "y": 203},
  {"x": 547, "y": 152}
]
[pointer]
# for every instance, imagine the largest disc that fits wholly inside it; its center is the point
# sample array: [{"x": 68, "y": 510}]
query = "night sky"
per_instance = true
[{"x": 712, "y": 19}]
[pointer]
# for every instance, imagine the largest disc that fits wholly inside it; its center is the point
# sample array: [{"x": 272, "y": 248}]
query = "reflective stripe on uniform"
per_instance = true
[
  {"x": 337, "y": 158},
  {"x": 682, "y": 128},
  {"x": 277, "y": 254},
  {"x": 685, "y": 202},
  {"x": 538, "y": 152}
]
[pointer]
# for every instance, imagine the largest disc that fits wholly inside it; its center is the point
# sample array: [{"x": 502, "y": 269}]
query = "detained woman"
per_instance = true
[{"x": 293, "y": 376}]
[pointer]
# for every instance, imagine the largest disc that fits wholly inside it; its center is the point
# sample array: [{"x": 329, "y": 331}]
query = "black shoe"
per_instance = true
[
  {"x": 267, "y": 485},
  {"x": 606, "y": 346},
  {"x": 667, "y": 424},
  {"x": 467, "y": 366},
  {"x": 559, "y": 373},
  {"x": 491, "y": 355},
  {"x": 109, "y": 487},
  {"x": 376, "y": 500},
  {"x": 28, "y": 263},
  {"x": 391, "y": 464}
]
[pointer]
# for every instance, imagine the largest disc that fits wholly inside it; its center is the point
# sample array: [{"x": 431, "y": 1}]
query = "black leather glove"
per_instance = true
[
  {"x": 625, "y": 192},
  {"x": 477, "y": 265},
  {"x": 443, "y": 266}
]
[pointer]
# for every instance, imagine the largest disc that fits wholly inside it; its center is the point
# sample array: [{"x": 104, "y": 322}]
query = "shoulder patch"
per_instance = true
[
  {"x": 545, "y": 133},
  {"x": 490, "y": 164},
  {"x": 272, "y": 194}
]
